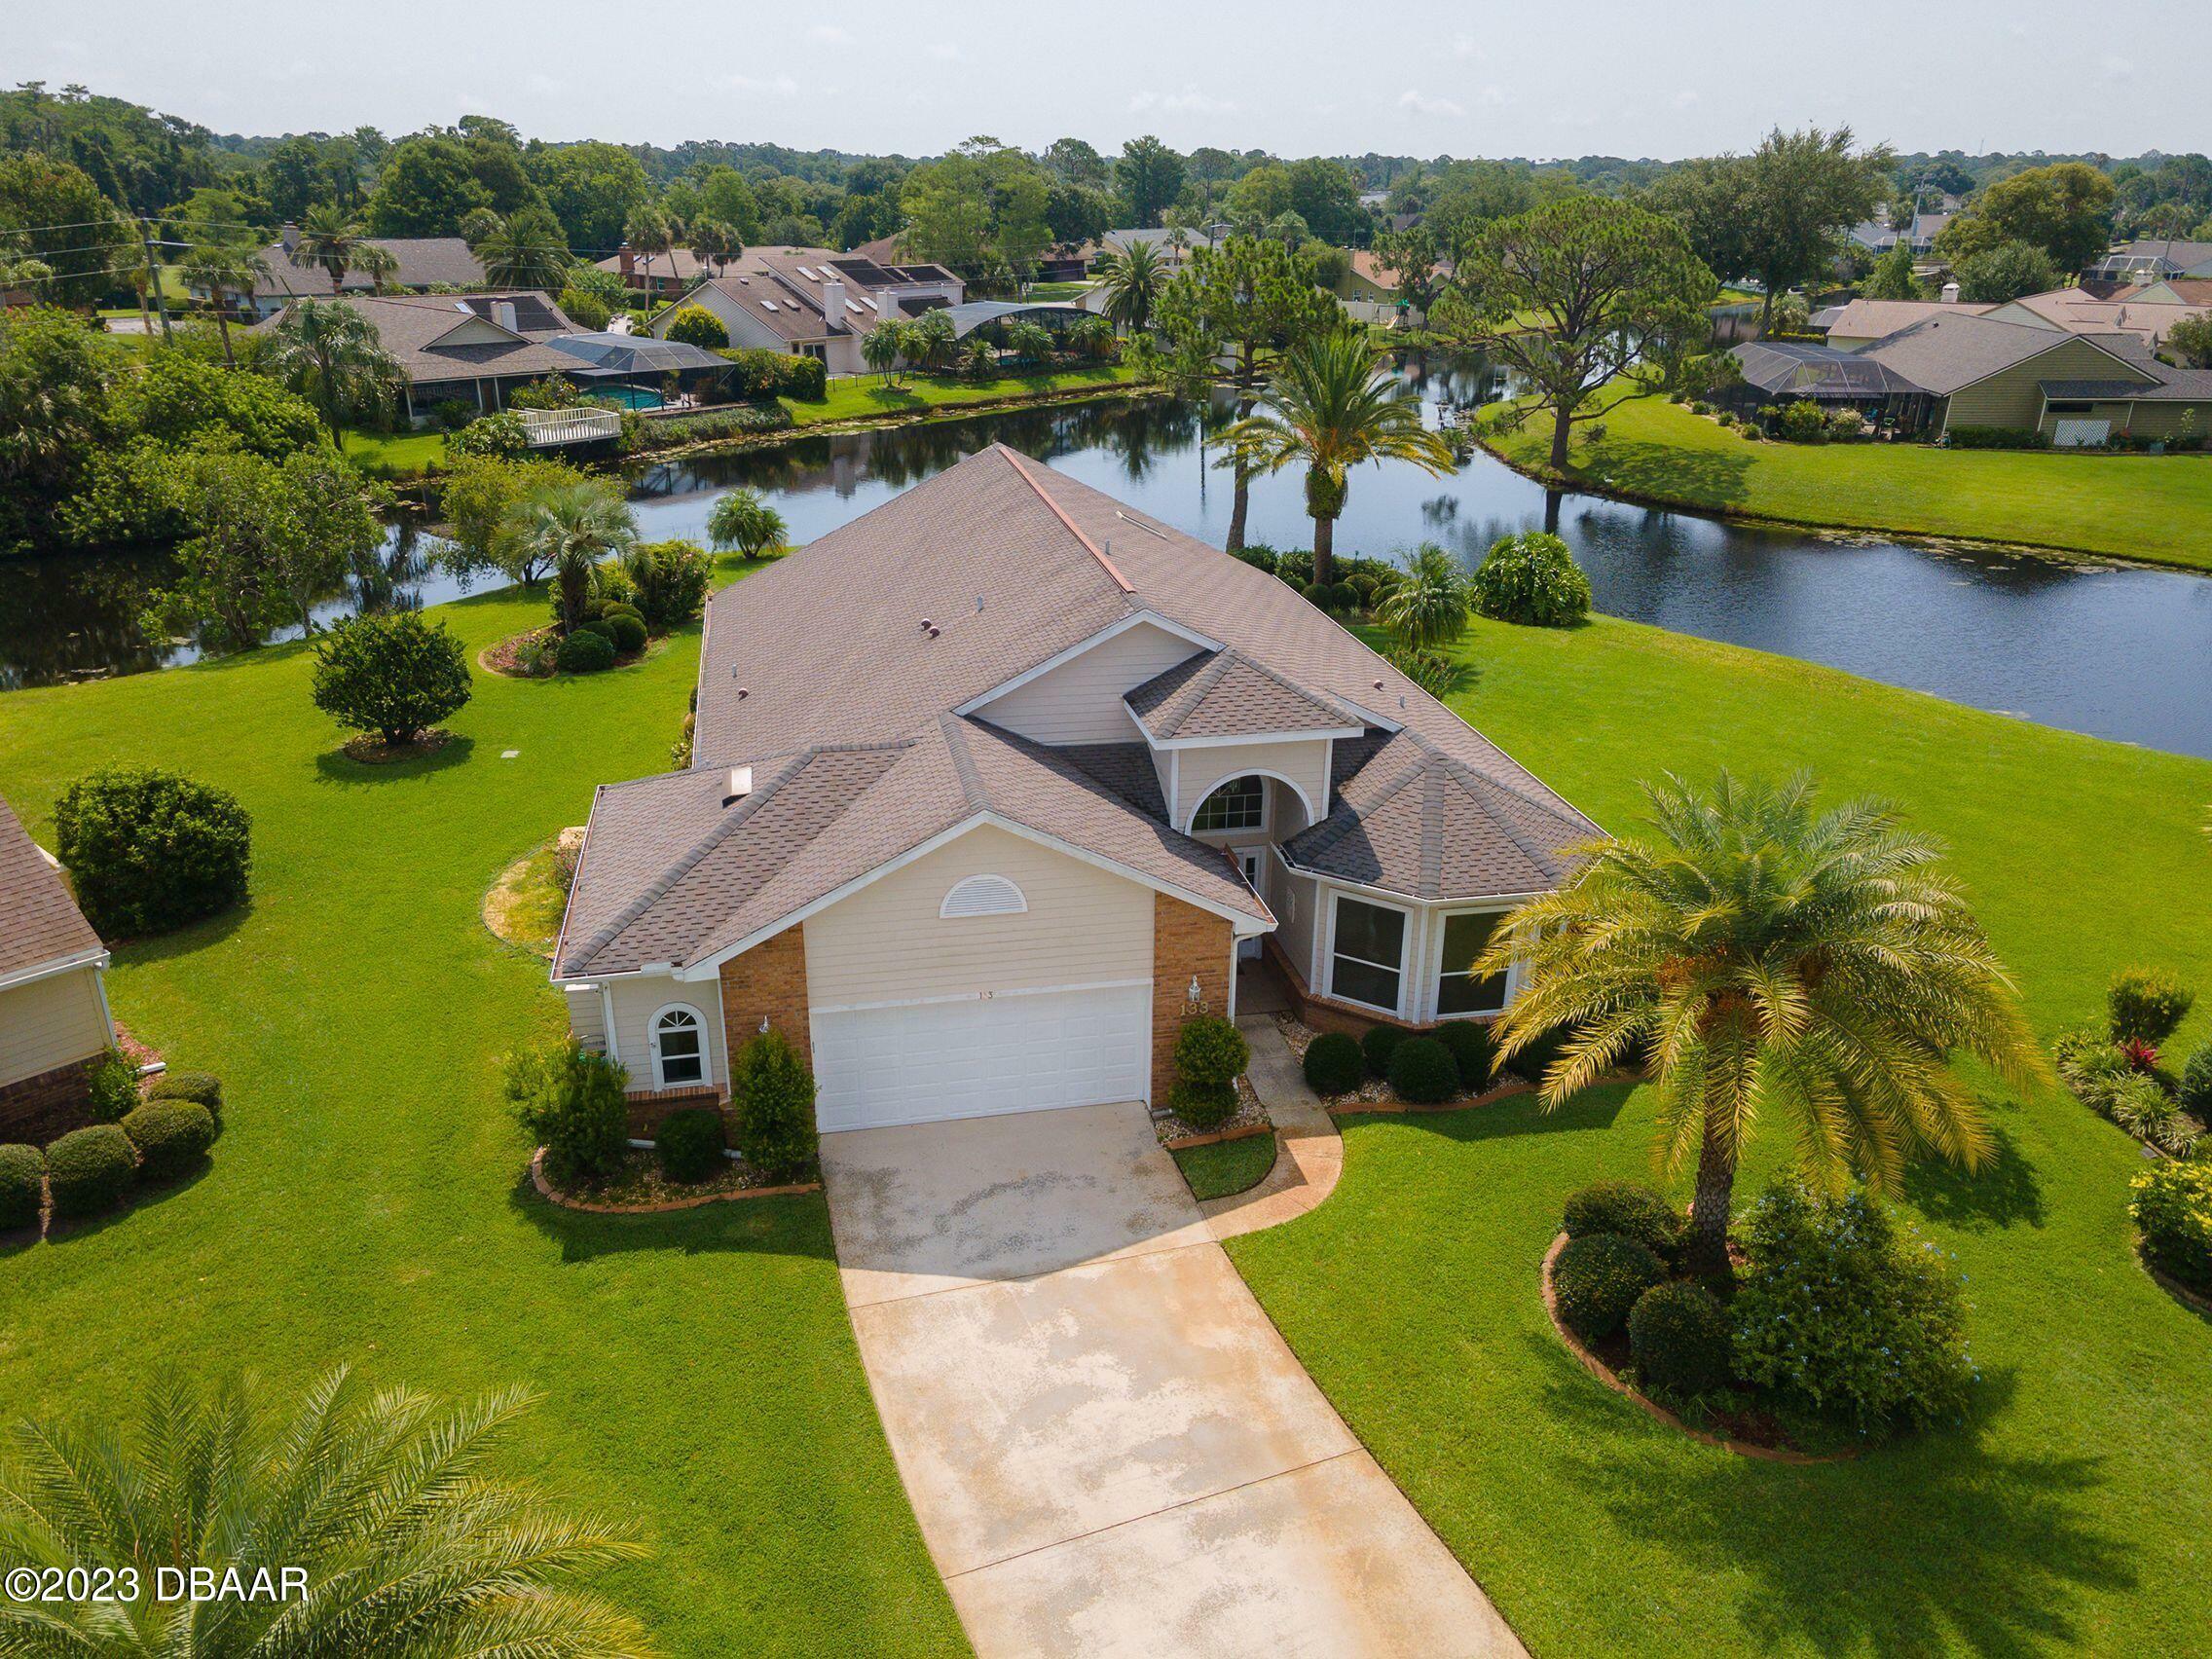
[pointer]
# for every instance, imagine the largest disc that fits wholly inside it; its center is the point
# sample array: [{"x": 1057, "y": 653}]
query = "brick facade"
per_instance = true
[
  {"x": 648, "y": 1107},
  {"x": 769, "y": 982},
  {"x": 1326, "y": 1013},
  {"x": 43, "y": 1108},
  {"x": 1185, "y": 943}
]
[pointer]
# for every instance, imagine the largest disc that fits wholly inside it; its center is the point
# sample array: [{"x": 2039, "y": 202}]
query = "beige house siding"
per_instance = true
[
  {"x": 51, "y": 1023},
  {"x": 1295, "y": 899},
  {"x": 1081, "y": 700},
  {"x": 2014, "y": 396},
  {"x": 887, "y": 944},
  {"x": 637, "y": 1001},
  {"x": 1304, "y": 762}
]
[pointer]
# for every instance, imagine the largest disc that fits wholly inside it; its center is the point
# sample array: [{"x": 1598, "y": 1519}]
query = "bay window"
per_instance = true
[{"x": 1367, "y": 958}]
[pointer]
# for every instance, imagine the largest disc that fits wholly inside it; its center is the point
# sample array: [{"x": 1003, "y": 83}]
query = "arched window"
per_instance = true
[
  {"x": 1242, "y": 803},
  {"x": 680, "y": 1048},
  {"x": 983, "y": 896}
]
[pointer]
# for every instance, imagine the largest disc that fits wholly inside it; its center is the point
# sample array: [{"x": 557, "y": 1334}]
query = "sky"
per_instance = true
[{"x": 1479, "y": 78}]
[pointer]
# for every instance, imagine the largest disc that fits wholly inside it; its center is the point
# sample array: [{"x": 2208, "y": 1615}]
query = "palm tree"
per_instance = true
[
  {"x": 880, "y": 347},
  {"x": 329, "y": 353},
  {"x": 1430, "y": 606},
  {"x": 745, "y": 524},
  {"x": 380, "y": 266},
  {"x": 981, "y": 356},
  {"x": 332, "y": 238},
  {"x": 1094, "y": 335},
  {"x": 569, "y": 528},
  {"x": 514, "y": 257},
  {"x": 404, "y": 1538},
  {"x": 929, "y": 338},
  {"x": 716, "y": 244},
  {"x": 1032, "y": 342},
  {"x": 1133, "y": 277},
  {"x": 225, "y": 269},
  {"x": 1331, "y": 406},
  {"x": 1773, "y": 961},
  {"x": 649, "y": 231}
]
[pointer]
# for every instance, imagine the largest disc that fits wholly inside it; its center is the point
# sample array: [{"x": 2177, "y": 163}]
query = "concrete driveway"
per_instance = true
[{"x": 1108, "y": 1447}]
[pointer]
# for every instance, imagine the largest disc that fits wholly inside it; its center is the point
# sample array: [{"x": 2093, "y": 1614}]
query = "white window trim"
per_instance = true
[
  {"x": 1259, "y": 828},
  {"x": 1433, "y": 988},
  {"x": 706, "y": 1077},
  {"x": 1405, "y": 944},
  {"x": 983, "y": 881}
]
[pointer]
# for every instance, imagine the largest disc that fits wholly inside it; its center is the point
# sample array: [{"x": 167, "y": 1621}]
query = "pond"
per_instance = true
[{"x": 2119, "y": 652}]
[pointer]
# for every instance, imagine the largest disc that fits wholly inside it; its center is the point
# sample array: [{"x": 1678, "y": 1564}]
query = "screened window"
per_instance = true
[
  {"x": 680, "y": 1048},
  {"x": 1238, "y": 805},
  {"x": 1370, "y": 946},
  {"x": 1458, "y": 991}
]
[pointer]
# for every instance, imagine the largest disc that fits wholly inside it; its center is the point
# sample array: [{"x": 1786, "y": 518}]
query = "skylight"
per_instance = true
[{"x": 768, "y": 305}]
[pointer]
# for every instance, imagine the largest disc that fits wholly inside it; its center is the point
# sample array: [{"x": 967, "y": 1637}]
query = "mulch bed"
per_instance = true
[
  {"x": 639, "y": 1188},
  {"x": 2196, "y": 1299},
  {"x": 501, "y": 657},
  {"x": 1373, "y": 1093},
  {"x": 1250, "y": 1119},
  {"x": 374, "y": 752}
]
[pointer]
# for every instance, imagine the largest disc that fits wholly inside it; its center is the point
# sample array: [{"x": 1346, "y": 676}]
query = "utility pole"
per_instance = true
[{"x": 154, "y": 278}]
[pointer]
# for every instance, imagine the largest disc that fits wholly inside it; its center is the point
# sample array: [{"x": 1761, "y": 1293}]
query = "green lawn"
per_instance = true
[
  {"x": 859, "y": 397},
  {"x": 1042, "y": 292},
  {"x": 396, "y": 455},
  {"x": 2138, "y": 506},
  {"x": 368, "y": 1202},
  {"x": 2074, "y": 1511},
  {"x": 1223, "y": 1169}
]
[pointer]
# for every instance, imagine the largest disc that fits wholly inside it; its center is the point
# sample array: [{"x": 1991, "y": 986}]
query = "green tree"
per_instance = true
[
  {"x": 696, "y": 325},
  {"x": 386, "y": 1503},
  {"x": 478, "y": 499},
  {"x": 2189, "y": 342},
  {"x": 380, "y": 266},
  {"x": 1325, "y": 194},
  {"x": 1891, "y": 278},
  {"x": 1149, "y": 175},
  {"x": 1428, "y": 607},
  {"x": 331, "y": 238},
  {"x": 740, "y": 521},
  {"x": 714, "y": 242},
  {"x": 591, "y": 187},
  {"x": 1470, "y": 196},
  {"x": 331, "y": 355},
  {"x": 1575, "y": 294},
  {"x": 980, "y": 206},
  {"x": 427, "y": 187},
  {"x": 880, "y": 347},
  {"x": 569, "y": 528},
  {"x": 53, "y": 212},
  {"x": 1710, "y": 198},
  {"x": 1775, "y": 962},
  {"x": 1801, "y": 190},
  {"x": 1330, "y": 406},
  {"x": 2065, "y": 210},
  {"x": 55, "y": 418},
  {"x": 1411, "y": 257},
  {"x": 525, "y": 251},
  {"x": 2006, "y": 272},
  {"x": 1078, "y": 162},
  {"x": 928, "y": 338},
  {"x": 389, "y": 673},
  {"x": 228, "y": 271},
  {"x": 649, "y": 232},
  {"x": 981, "y": 356},
  {"x": 726, "y": 197},
  {"x": 1133, "y": 277}
]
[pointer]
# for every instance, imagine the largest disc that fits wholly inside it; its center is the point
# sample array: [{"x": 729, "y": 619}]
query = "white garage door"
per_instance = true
[{"x": 1026, "y": 1052}]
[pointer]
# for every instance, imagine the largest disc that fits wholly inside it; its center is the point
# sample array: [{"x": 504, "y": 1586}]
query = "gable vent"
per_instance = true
[{"x": 983, "y": 896}]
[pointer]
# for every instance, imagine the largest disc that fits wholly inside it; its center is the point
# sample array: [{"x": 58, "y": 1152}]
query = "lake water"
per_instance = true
[{"x": 2120, "y": 653}]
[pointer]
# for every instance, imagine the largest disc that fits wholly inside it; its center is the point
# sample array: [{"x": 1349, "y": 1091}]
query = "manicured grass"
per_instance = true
[
  {"x": 2137, "y": 506},
  {"x": 1042, "y": 291},
  {"x": 860, "y": 396},
  {"x": 1226, "y": 1167},
  {"x": 368, "y": 1202},
  {"x": 396, "y": 455},
  {"x": 2073, "y": 1511}
]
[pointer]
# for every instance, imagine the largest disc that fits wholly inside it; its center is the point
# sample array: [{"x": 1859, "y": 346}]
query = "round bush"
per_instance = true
[
  {"x": 2173, "y": 1206},
  {"x": 1598, "y": 1278},
  {"x": 585, "y": 652},
  {"x": 1333, "y": 1064},
  {"x": 88, "y": 1170},
  {"x": 22, "y": 1176},
  {"x": 1471, "y": 1050},
  {"x": 1376, "y": 1043},
  {"x": 690, "y": 1145},
  {"x": 696, "y": 325},
  {"x": 1422, "y": 1072},
  {"x": 195, "y": 1086},
  {"x": 111, "y": 1081},
  {"x": 389, "y": 673},
  {"x": 1678, "y": 1333},
  {"x": 1532, "y": 579},
  {"x": 2194, "y": 1091},
  {"x": 1202, "y": 1105},
  {"x": 629, "y": 634},
  {"x": 1535, "y": 1057},
  {"x": 598, "y": 625},
  {"x": 620, "y": 607},
  {"x": 170, "y": 1135},
  {"x": 150, "y": 851},
  {"x": 1629, "y": 1208},
  {"x": 2145, "y": 1007},
  {"x": 1210, "y": 1051}
]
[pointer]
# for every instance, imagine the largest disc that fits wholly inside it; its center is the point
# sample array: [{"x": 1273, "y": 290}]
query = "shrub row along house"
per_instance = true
[
  {"x": 54, "y": 1013},
  {"x": 996, "y": 784}
]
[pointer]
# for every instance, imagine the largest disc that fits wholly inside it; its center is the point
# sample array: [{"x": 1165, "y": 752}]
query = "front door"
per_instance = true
[{"x": 1253, "y": 862}]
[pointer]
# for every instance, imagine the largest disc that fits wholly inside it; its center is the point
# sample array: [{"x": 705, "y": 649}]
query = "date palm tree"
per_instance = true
[
  {"x": 515, "y": 255},
  {"x": 745, "y": 524},
  {"x": 569, "y": 528},
  {"x": 380, "y": 266},
  {"x": 716, "y": 244},
  {"x": 224, "y": 270},
  {"x": 1775, "y": 962},
  {"x": 331, "y": 355},
  {"x": 650, "y": 231},
  {"x": 981, "y": 356},
  {"x": 1428, "y": 608},
  {"x": 1331, "y": 406},
  {"x": 406, "y": 1541},
  {"x": 1094, "y": 336},
  {"x": 880, "y": 347},
  {"x": 1133, "y": 277},
  {"x": 332, "y": 238}
]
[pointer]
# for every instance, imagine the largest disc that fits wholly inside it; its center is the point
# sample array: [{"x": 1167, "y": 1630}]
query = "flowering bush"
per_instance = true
[
  {"x": 1843, "y": 1314},
  {"x": 2142, "y": 1056},
  {"x": 2173, "y": 1206}
]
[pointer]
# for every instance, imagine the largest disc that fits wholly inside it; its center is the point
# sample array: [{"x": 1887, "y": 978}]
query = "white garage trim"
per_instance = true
[{"x": 980, "y": 996}]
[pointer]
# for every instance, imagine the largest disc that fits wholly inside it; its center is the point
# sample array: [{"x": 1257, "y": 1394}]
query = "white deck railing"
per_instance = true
[{"x": 549, "y": 426}]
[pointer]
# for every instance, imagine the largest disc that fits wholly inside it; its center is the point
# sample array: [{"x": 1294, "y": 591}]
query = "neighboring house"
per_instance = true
[
  {"x": 2168, "y": 291},
  {"x": 54, "y": 1016},
  {"x": 1369, "y": 290},
  {"x": 425, "y": 262},
  {"x": 1858, "y": 323},
  {"x": 663, "y": 275},
  {"x": 2079, "y": 311},
  {"x": 813, "y": 303},
  {"x": 996, "y": 783},
  {"x": 2150, "y": 260},
  {"x": 1878, "y": 237}
]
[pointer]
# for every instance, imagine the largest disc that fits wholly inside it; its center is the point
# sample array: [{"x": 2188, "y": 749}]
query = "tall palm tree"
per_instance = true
[
  {"x": 650, "y": 231},
  {"x": 742, "y": 521},
  {"x": 1430, "y": 606},
  {"x": 332, "y": 238},
  {"x": 716, "y": 244},
  {"x": 380, "y": 266},
  {"x": 1331, "y": 406},
  {"x": 329, "y": 353},
  {"x": 225, "y": 269},
  {"x": 1133, "y": 277},
  {"x": 406, "y": 1541},
  {"x": 880, "y": 347},
  {"x": 569, "y": 528},
  {"x": 1776, "y": 962},
  {"x": 515, "y": 256}
]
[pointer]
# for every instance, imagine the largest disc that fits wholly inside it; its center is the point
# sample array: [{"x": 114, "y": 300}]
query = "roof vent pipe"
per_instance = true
[
  {"x": 740, "y": 785},
  {"x": 1951, "y": 293}
]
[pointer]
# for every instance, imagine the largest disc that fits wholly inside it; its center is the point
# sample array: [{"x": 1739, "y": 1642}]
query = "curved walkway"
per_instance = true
[{"x": 1311, "y": 1154}]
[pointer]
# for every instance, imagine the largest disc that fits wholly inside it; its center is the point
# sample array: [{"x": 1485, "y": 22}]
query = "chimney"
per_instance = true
[
  {"x": 290, "y": 237},
  {"x": 832, "y": 301},
  {"x": 503, "y": 313},
  {"x": 626, "y": 261},
  {"x": 1951, "y": 293}
]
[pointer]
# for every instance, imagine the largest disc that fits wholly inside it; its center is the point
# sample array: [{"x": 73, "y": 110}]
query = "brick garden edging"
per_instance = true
[
  {"x": 2194, "y": 1299},
  {"x": 1184, "y": 1143},
  {"x": 1605, "y": 1373},
  {"x": 553, "y": 1196}
]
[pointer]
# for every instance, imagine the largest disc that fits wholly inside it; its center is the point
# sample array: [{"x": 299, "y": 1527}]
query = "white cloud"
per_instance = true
[
  {"x": 944, "y": 52},
  {"x": 2119, "y": 68},
  {"x": 1467, "y": 46},
  {"x": 1190, "y": 101},
  {"x": 781, "y": 87},
  {"x": 829, "y": 34},
  {"x": 1420, "y": 103},
  {"x": 1684, "y": 98}
]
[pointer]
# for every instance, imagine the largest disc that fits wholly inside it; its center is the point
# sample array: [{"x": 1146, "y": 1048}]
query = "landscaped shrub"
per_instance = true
[
  {"x": 1296, "y": 565},
  {"x": 112, "y": 1080},
  {"x": 88, "y": 1170},
  {"x": 150, "y": 851},
  {"x": 1210, "y": 1054},
  {"x": 2145, "y": 1007},
  {"x": 1259, "y": 557},
  {"x": 629, "y": 634},
  {"x": 773, "y": 1094},
  {"x": 1535, "y": 1057},
  {"x": 1679, "y": 1336},
  {"x": 689, "y": 1144},
  {"x": 22, "y": 1189},
  {"x": 502, "y": 435},
  {"x": 571, "y": 1101},
  {"x": 1845, "y": 1318},
  {"x": 763, "y": 372},
  {"x": 1532, "y": 579},
  {"x": 1376, "y": 1043},
  {"x": 1422, "y": 1072},
  {"x": 1597, "y": 1279},
  {"x": 170, "y": 1135},
  {"x": 1202, "y": 1106},
  {"x": 1471, "y": 1050},
  {"x": 585, "y": 652},
  {"x": 1995, "y": 437},
  {"x": 1801, "y": 422},
  {"x": 1845, "y": 425},
  {"x": 670, "y": 580},
  {"x": 597, "y": 625},
  {"x": 1629, "y": 1208},
  {"x": 696, "y": 325},
  {"x": 2173, "y": 1206},
  {"x": 2194, "y": 1092},
  {"x": 1432, "y": 671},
  {"x": 2140, "y": 1104},
  {"x": 1334, "y": 1064},
  {"x": 197, "y": 1087},
  {"x": 391, "y": 673}
]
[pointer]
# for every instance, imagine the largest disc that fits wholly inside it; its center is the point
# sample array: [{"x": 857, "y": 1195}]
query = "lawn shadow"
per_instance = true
[
  {"x": 1703, "y": 476},
  {"x": 335, "y": 767},
  {"x": 144, "y": 1195},
  {"x": 1931, "y": 1543},
  {"x": 798, "y": 1225},
  {"x": 187, "y": 940},
  {"x": 2003, "y": 1193},
  {"x": 1594, "y": 1109}
]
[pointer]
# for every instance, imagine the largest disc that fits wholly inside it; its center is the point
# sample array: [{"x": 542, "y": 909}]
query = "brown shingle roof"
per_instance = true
[
  {"x": 411, "y": 327},
  {"x": 423, "y": 262},
  {"x": 1227, "y": 695},
  {"x": 39, "y": 922}
]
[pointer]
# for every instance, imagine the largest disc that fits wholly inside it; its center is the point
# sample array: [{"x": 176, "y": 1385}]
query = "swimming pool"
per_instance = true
[{"x": 624, "y": 396}]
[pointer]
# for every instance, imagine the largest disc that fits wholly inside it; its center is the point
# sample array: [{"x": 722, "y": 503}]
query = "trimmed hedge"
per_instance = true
[
  {"x": 1532, "y": 580},
  {"x": 1209, "y": 1055},
  {"x": 690, "y": 1145},
  {"x": 170, "y": 1135},
  {"x": 773, "y": 1092},
  {"x": 1202, "y": 1105},
  {"x": 198, "y": 1088},
  {"x": 1422, "y": 1072},
  {"x": 1471, "y": 1050},
  {"x": 88, "y": 1170},
  {"x": 1376, "y": 1043},
  {"x": 1333, "y": 1064},
  {"x": 585, "y": 652},
  {"x": 22, "y": 1186},
  {"x": 150, "y": 851},
  {"x": 1535, "y": 1057},
  {"x": 629, "y": 633},
  {"x": 1629, "y": 1208},
  {"x": 1678, "y": 1333},
  {"x": 1598, "y": 1278},
  {"x": 111, "y": 1081}
]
